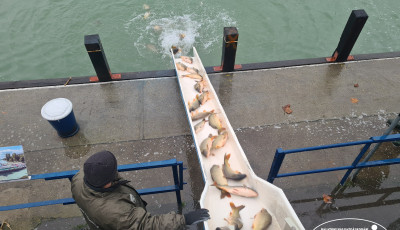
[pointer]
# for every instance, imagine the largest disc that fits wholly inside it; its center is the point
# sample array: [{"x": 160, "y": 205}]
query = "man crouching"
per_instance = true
[{"x": 107, "y": 201}]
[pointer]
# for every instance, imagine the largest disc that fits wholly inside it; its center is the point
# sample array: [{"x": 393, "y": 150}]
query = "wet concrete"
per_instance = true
[
  {"x": 375, "y": 193},
  {"x": 144, "y": 120}
]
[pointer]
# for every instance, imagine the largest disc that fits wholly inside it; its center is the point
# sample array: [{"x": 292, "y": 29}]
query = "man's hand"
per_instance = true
[{"x": 196, "y": 216}]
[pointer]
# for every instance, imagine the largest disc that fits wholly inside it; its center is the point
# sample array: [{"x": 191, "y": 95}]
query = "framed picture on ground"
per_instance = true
[{"x": 12, "y": 164}]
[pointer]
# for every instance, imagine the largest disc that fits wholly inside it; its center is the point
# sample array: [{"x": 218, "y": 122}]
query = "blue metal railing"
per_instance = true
[
  {"x": 280, "y": 156},
  {"x": 177, "y": 171}
]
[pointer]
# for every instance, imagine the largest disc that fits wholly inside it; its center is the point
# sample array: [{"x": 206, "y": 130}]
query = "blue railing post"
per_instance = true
[
  {"x": 276, "y": 165},
  {"x": 355, "y": 162},
  {"x": 180, "y": 163},
  {"x": 176, "y": 182}
]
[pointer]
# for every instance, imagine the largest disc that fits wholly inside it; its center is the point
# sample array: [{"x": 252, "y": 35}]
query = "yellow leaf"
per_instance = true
[
  {"x": 327, "y": 199},
  {"x": 354, "y": 100},
  {"x": 287, "y": 109}
]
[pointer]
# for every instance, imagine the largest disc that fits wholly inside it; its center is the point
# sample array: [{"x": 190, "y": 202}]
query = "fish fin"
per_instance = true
[
  {"x": 225, "y": 194},
  {"x": 215, "y": 184},
  {"x": 232, "y": 205}
]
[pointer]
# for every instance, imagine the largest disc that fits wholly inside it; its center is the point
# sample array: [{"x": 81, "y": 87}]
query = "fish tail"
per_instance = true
[
  {"x": 236, "y": 208},
  {"x": 225, "y": 194}
]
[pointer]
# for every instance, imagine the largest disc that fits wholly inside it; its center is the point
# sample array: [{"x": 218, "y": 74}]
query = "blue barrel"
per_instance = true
[{"x": 58, "y": 112}]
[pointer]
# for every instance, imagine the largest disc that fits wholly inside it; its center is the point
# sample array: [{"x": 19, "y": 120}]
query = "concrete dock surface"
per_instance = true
[{"x": 144, "y": 120}]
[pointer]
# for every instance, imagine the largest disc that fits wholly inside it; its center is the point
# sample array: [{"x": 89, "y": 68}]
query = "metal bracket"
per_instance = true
[
  {"x": 335, "y": 55},
  {"x": 116, "y": 76},
  {"x": 219, "y": 68}
]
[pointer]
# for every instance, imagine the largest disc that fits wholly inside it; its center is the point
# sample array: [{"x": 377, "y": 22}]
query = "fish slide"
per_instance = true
[{"x": 225, "y": 168}]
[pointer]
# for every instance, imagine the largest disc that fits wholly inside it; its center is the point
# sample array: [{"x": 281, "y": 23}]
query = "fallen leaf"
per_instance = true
[
  {"x": 287, "y": 109},
  {"x": 356, "y": 85},
  {"x": 354, "y": 100},
  {"x": 3, "y": 112},
  {"x": 327, "y": 199}
]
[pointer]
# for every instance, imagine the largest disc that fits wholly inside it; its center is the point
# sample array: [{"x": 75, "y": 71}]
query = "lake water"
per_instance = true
[{"x": 44, "y": 38}]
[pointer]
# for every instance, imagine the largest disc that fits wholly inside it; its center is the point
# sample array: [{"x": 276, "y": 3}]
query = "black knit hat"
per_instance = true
[{"x": 100, "y": 169}]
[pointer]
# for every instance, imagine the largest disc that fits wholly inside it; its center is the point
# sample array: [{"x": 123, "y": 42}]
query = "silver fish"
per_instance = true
[
  {"x": 157, "y": 28},
  {"x": 234, "y": 217},
  {"x": 194, "y": 76},
  {"x": 187, "y": 59},
  {"x": 152, "y": 48},
  {"x": 261, "y": 220},
  {"x": 217, "y": 175},
  {"x": 196, "y": 115},
  {"x": 146, "y": 15},
  {"x": 181, "y": 66},
  {"x": 176, "y": 50},
  {"x": 205, "y": 146},
  {"x": 219, "y": 179},
  {"x": 239, "y": 190},
  {"x": 221, "y": 139},
  {"x": 199, "y": 126},
  {"x": 228, "y": 172},
  {"x": 204, "y": 97},
  {"x": 195, "y": 104},
  {"x": 199, "y": 86},
  {"x": 192, "y": 70},
  {"x": 229, "y": 227},
  {"x": 214, "y": 121}
]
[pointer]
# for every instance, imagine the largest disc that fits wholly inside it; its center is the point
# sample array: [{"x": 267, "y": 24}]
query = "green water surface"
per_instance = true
[{"x": 45, "y": 38}]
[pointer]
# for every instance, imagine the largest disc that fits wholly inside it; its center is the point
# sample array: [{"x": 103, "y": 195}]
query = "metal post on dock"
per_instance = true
[
  {"x": 98, "y": 57},
  {"x": 352, "y": 30},
  {"x": 229, "y": 47},
  {"x": 276, "y": 165}
]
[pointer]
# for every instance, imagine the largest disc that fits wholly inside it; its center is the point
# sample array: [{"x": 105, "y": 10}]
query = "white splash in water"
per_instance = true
[
  {"x": 201, "y": 28},
  {"x": 173, "y": 28}
]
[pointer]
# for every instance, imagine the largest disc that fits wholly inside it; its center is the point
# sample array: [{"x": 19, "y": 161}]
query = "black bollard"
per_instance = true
[
  {"x": 98, "y": 57},
  {"x": 353, "y": 28},
  {"x": 229, "y": 47}
]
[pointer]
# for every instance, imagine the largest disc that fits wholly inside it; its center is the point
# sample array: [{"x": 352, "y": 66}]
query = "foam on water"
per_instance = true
[{"x": 161, "y": 30}]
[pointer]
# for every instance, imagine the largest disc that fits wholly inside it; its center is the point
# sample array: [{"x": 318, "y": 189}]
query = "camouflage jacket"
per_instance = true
[{"x": 120, "y": 209}]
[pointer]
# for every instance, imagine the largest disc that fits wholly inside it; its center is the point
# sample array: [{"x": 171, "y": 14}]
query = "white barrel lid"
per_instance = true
[{"x": 56, "y": 109}]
